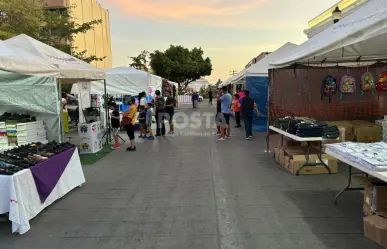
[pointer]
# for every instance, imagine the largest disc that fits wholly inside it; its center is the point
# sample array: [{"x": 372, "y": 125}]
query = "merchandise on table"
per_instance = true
[
  {"x": 370, "y": 155},
  {"x": 302, "y": 127},
  {"x": 27, "y": 156},
  {"x": 20, "y": 129}
]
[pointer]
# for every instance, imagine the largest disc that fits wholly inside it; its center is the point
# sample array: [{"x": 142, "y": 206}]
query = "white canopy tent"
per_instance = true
[
  {"x": 124, "y": 81},
  {"x": 358, "y": 37},
  {"x": 26, "y": 79},
  {"x": 68, "y": 66},
  {"x": 260, "y": 69},
  {"x": 70, "y": 69},
  {"x": 13, "y": 59}
]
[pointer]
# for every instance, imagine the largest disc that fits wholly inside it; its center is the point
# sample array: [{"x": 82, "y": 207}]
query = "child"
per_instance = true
[
  {"x": 236, "y": 107},
  {"x": 149, "y": 115},
  {"x": 142, "y": 122},
  {"x": 115, "y": 122}
]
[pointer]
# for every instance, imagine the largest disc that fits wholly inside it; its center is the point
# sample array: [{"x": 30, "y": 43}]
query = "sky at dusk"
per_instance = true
[{"x": 231, "y": 32}]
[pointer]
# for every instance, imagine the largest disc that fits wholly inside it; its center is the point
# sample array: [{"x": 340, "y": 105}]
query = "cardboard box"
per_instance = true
[
  {"x": 376, "y": 198},
  {"x": 277, "y": 154},
  {"x": 347, "y": 127},
  {"x": 298, "y": 160},
  {"x": 367, "y": 210},
  {"x": 367, "y": 133},
  {"x": 375, "y": 229},
  {"x": 362, "y": 179}
]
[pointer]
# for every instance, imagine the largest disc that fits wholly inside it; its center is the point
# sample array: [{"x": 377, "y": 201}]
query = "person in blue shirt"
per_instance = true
[
  {"x": 226, "y": 101},
  {"x": 196, "y": 99}
]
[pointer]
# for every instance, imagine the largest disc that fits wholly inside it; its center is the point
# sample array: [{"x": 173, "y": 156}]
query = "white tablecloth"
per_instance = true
[{"x": 19, "y": 196}]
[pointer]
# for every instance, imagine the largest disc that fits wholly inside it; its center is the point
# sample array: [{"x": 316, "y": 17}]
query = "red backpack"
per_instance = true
[{"x": 382, "y": 83}]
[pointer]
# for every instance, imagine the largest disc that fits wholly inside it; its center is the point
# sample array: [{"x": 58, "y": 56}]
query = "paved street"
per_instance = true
[{"x": 196, "y": 192}]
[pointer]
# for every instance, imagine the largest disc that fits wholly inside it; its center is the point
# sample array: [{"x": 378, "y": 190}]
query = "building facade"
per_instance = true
[
  {"x": 324, "y": 20},
  {"x": 96, "y": 41}
]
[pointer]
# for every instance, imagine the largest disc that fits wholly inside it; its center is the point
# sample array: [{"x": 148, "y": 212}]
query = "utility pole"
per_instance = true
[{"x": 233, "y": 72}]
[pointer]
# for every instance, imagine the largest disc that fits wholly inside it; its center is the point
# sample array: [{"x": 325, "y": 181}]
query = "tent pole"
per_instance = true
[
  {"x": 62, "y": 135},
  {"x": 107, "y": 126},
  {"x": 271, "y": 75}
]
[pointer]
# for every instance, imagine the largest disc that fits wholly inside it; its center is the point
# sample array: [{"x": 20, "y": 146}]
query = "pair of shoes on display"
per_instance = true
[
  {"x": 21, "y": 118},
  {"x": 131, "y": 149},
  {"x": 27, "y": 156}
]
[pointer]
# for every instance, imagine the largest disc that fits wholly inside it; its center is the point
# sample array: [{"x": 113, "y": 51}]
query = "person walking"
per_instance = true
[
  {"x": 218, "y": 117},
  {"x": 226, "y": 101},
  {"x": 210, "y": 95},
  {"x": 193, "y": 100},
  {"x": 129, "y": 121},
  {"x": 160, "y": 114},
  {"x": 248, "y": 107}
]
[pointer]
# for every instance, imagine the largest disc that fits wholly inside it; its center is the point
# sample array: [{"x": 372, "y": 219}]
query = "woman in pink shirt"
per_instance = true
[{"x": 236, "y": 107}]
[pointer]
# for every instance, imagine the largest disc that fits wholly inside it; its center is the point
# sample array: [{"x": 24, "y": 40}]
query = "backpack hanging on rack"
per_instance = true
[
  {"x": 329, "y": 86},
  {"x": 382, "y": 83},
  {"x": 367, "y": 83},
  {"x": 347, "y": 85}
]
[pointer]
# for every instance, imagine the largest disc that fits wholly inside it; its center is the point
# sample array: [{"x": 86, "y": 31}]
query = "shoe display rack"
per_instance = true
[{"x": 16, "y": 134}]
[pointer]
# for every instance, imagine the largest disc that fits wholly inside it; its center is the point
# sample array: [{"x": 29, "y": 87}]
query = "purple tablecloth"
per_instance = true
[{"x": 47, "y": 174}]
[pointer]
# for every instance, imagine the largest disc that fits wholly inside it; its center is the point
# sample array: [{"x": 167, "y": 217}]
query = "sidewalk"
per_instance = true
[{"x": 196, "y": 192}]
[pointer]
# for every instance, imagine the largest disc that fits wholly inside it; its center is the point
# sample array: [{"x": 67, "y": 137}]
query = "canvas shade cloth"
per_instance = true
[
  {"x": 70, "y": 69},
  {"x": 360, "y": 36},
  {"x": 16, "y": 60}
]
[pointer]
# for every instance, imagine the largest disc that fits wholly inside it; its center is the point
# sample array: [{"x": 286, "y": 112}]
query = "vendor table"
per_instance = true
[
  {"x": 308, "y": 140},
  {"x": 380, "y": 175},
  {"x": 25, "y": 194}
]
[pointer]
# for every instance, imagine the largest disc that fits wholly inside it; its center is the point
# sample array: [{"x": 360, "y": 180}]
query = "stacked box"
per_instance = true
[
  {"x": 292, "y": 159},
  {"x": 375, "y": 229},
  {"x": 383, "y": 125},
  {"x": 31, "y": 132},
  {"x": 91, "y": 137}
]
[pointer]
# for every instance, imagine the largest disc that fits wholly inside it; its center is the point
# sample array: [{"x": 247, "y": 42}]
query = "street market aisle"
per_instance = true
[{"x": 192, "y": 191}]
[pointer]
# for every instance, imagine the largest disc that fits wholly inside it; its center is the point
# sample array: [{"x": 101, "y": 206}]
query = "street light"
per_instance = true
[{"x": 336, "y": 15}]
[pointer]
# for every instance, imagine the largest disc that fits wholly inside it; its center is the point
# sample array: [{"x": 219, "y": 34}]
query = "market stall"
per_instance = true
[
  {"x": 34, "y": 172},
  {"x": 70, "y": 69},
  {"x": 255, "y": 79},
  {"x": 340, "y": 74}
]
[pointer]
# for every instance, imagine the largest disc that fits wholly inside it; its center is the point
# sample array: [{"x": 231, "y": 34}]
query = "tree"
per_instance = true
[
  {"x": 56, "y": 28},
  {"x": 140, "y": 62},
  {"x": 218, "y": 83},
  {"x": 180, "y": 65}
]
